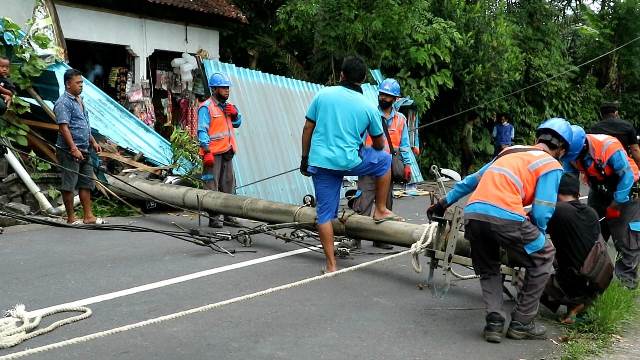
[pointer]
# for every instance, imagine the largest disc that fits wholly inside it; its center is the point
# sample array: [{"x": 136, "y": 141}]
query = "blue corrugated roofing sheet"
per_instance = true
[
  {"x": 110, "y": 119},
  {"x": 273, "y": 108}
]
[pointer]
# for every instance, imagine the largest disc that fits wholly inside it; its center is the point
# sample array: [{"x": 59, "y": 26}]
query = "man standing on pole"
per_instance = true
[
  {"x": 332, "y": 139},
  {"x": 495, "y": 218},
  {"x": 217, "y": 119}
]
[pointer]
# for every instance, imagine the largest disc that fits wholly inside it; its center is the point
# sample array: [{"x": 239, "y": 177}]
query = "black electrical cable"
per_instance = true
[
  {"x": 526, "y": 87},
  {"x": 125, "y": 228},
  {"x": 106, "y": 183}
]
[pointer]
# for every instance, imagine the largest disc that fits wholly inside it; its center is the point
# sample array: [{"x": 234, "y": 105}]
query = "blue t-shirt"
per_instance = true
[
  {"x": 69, "y": 111},
  {"x": 342, "y": 118}
]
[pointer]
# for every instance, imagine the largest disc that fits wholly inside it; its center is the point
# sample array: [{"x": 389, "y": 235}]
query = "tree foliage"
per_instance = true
[
  {"x": 26, "y": 65},
  {"x": 533, "y": 59}
]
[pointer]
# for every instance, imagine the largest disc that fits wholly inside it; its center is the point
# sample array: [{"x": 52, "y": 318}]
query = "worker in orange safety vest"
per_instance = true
[
  {"x": 217, "y": 119},
  {"x": 612, "y": 175},
  {"x": 398, "y": 136},
  {"x": 495, "y": 218}
]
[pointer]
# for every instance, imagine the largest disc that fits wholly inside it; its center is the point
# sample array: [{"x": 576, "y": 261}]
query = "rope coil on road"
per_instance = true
[
  {"x": 425, "y": 240},
  {"x": 16, "y": 326}
]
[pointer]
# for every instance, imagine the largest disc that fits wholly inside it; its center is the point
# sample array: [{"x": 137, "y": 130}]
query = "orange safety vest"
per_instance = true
[
  {"x": 510, "y": 182},
  {"x": 601, "y": 148},
  {"x": 221, "y": 134},
  {"x": 395, "y": 132}
]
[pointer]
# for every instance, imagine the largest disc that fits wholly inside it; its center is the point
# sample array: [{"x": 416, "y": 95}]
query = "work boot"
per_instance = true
[
  {"x": 519, "y": 331},
  {"x": 381, "y": 245},
  {"x": 215, "y": 222},
  {"x": 493, "y": 329}
]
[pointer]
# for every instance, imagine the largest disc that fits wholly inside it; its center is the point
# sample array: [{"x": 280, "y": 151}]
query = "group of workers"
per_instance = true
[
  {"x": 346, "y": 135},
  {"x": 496, "y": 214},
  {"x": 539, "y": 176}
]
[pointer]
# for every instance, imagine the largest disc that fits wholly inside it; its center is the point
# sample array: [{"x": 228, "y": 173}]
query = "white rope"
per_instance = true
[
  {"x": 464, "y": 277},
  {"x": 418, "y": 248},
  {"x": 18, "y": 323},
  {"x": 414, "y": 249}
]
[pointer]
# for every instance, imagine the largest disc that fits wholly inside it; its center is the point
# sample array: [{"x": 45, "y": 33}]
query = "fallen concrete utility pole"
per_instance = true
[{"x": 351, "y": 225}]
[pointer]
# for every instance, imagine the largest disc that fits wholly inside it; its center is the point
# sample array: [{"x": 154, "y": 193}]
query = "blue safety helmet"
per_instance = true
[
  {"x": 390, "y": 87},
  {"x": 219, "y": 80},
  {"x": 556, "y": 130},
  {"x": 577, "y": 143}
]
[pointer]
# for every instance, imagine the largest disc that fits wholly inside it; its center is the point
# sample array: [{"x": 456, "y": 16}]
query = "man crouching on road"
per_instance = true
[
  {"x": 74, "y": 141},
  {"x": 332, "y": 147},
  {"x": 583, "y": 267}
]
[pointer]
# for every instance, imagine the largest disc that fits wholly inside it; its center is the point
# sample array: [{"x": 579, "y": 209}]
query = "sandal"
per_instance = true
[
  {"x": 392, "y": 217},
  {"x": 99, "y": 221}
]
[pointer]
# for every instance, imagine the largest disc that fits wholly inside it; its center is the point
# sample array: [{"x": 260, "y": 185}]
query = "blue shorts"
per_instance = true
[{"x": 327, "y": 182}]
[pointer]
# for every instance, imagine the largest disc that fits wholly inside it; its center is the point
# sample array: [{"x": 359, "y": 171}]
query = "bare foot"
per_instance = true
[
  {"x": 91, "y": 220},
  {"x": 329, "y": 269},
  {"x": 569, "y": 320}
]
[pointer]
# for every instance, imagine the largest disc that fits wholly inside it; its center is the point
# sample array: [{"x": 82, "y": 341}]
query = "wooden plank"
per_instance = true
[
  {"x": 42, "y": 104},
  {"x": 42, "y": 146},
  {"x": 39, "y": 124},
  {"x": 135, "y": 164}
]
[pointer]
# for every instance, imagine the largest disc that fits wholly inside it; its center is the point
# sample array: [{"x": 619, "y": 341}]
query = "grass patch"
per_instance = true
[
  {"x": 103, "y": 207},
  {"x": 605, "y": 318}
]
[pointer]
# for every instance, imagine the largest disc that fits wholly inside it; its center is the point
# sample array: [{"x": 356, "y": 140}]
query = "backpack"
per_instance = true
[{"x": 597, "y": 268}]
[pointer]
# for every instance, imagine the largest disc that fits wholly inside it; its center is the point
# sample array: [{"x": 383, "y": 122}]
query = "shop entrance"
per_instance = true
[{"x": 108, "y": 66}]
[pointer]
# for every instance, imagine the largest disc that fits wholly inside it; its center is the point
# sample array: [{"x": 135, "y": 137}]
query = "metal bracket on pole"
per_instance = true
[{"x": 451, "y": 242}]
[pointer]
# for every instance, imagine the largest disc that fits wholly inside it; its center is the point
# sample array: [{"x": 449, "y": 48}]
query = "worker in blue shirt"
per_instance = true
[
  {"x": 495, "y": 218},
  {"x": 217, "y": 119},
  {"x": 611, "y": 175},
  {"x": 336, "y": 122}
]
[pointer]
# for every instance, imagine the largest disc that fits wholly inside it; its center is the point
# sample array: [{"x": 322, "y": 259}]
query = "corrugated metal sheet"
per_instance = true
[
  {"x": 110, "y": 119},
  {"x": 273, "y": 109}
]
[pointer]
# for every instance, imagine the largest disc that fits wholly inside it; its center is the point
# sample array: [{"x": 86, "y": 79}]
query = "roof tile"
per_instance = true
[{"x": 218, "y": 7}]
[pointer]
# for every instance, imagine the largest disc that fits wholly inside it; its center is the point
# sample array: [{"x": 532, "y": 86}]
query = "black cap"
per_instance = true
[{"x": 569, "y": 185}]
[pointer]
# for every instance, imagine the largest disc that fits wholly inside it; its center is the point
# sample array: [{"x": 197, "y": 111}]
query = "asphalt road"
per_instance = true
[{"x": 374, "y": 313}]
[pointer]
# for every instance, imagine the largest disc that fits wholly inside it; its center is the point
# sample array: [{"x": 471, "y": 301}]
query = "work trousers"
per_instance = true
[
  {"x": 487, "y": 236},
  {"x": 363, "y": 205},
  {"x": 625, "y": 239},
  {"x": 467, "y": 161},
  {"x": 219, "y": 177}
]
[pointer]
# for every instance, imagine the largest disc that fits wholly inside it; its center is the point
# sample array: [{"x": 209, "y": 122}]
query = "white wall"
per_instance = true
[
  {"x": 142, "y": 36},
  {"x": 18, "y": 10}
]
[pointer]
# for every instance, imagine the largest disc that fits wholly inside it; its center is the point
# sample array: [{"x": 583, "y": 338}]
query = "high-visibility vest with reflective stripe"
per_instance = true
[
  {"x": 395, "y": 132},
  {"x": 601, "y": 148},
  {"x": 221, "y": 134},
  {"x": 510, "y": 182}
]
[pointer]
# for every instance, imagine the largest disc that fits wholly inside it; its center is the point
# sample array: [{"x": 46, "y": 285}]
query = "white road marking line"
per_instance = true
[
  {"x": 176, "y": 280},
  {"x": 179, "y": 279}
]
